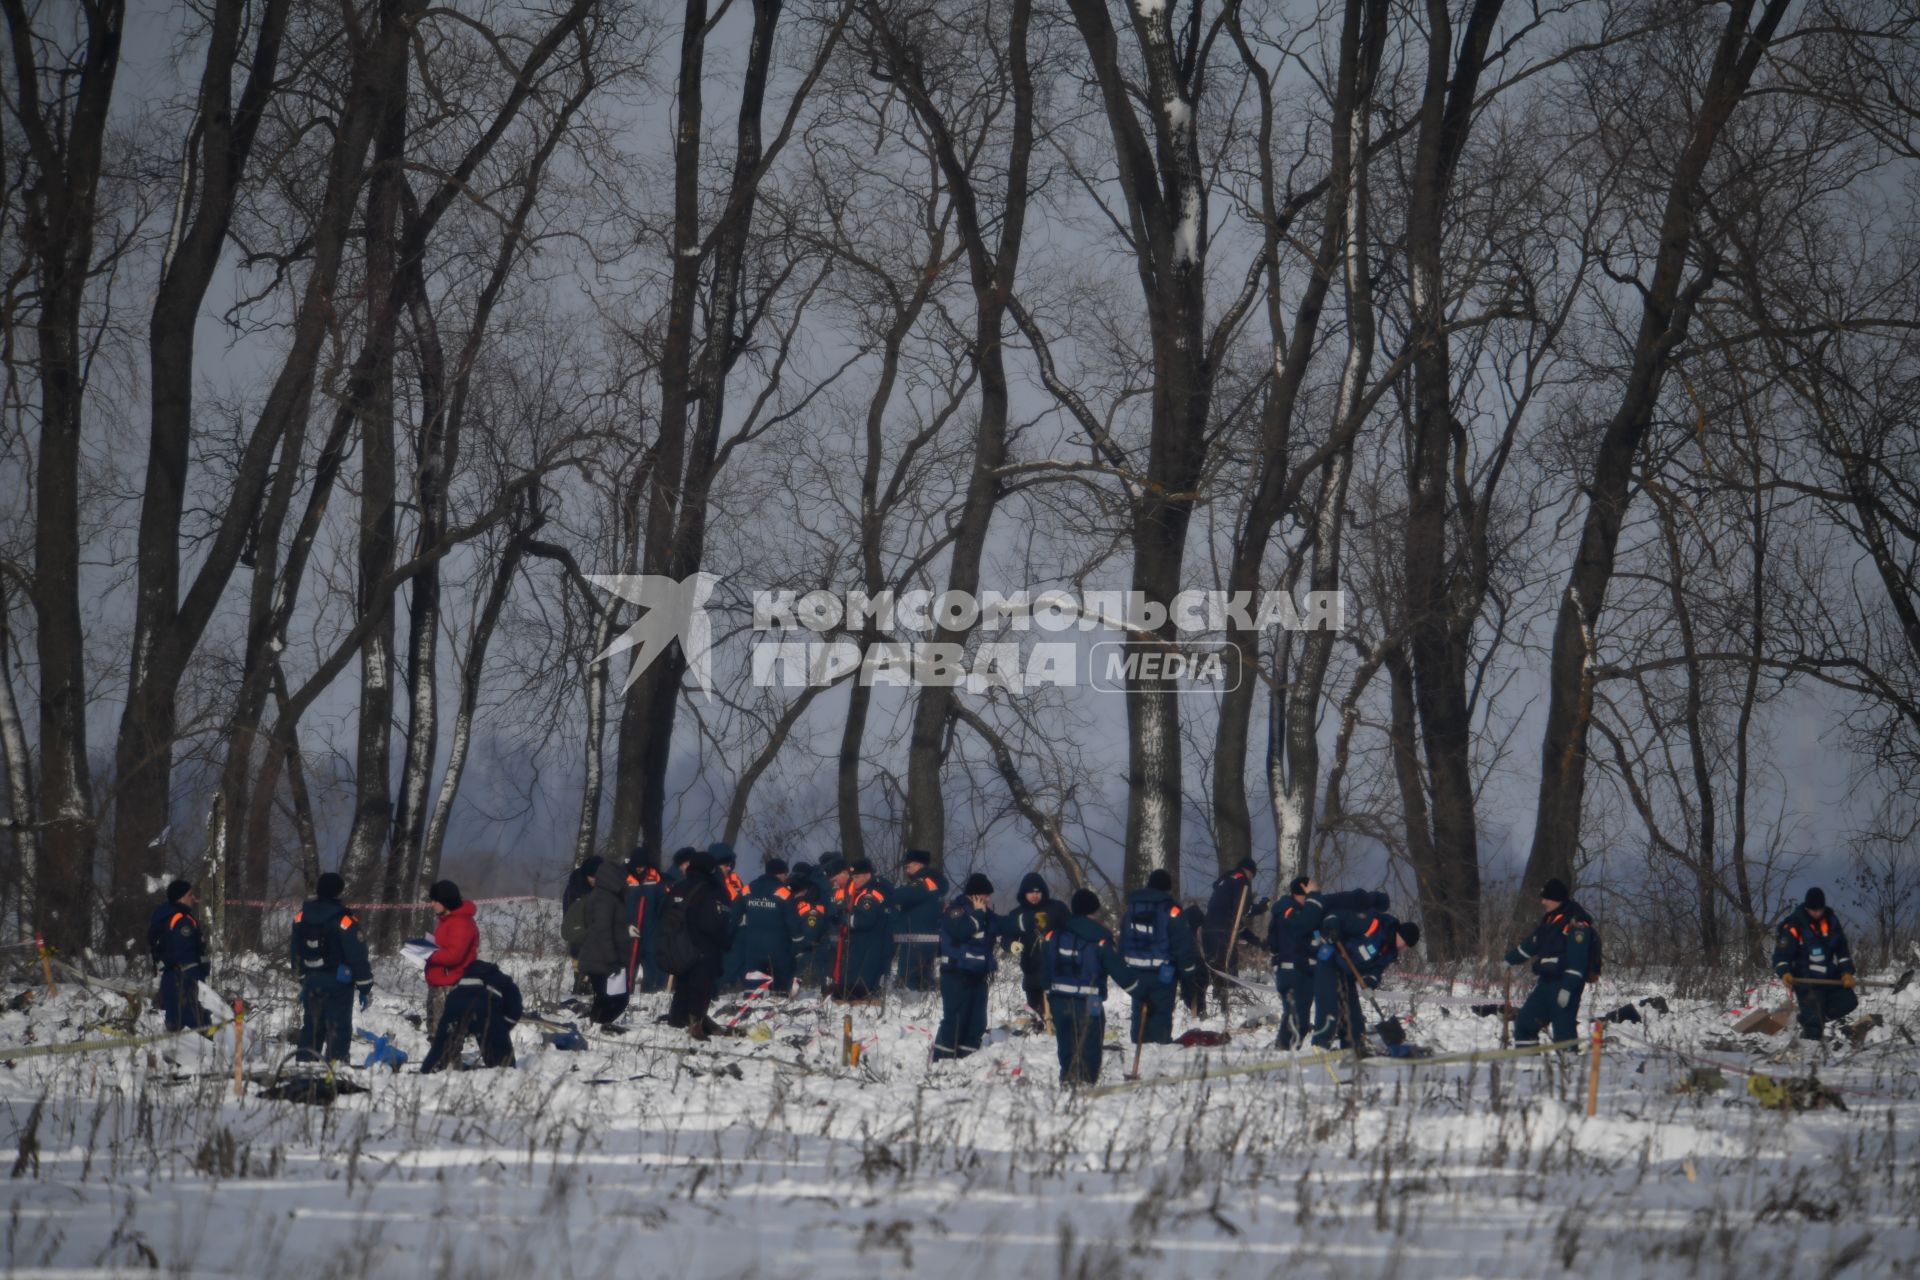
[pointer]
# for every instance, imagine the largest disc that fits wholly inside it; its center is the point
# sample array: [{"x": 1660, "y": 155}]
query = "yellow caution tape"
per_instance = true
[{"x": 96, "y": 1046}]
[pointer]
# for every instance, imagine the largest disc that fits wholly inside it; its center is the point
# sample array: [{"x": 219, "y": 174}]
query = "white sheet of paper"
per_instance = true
[
  {"x": 418, "y": 952},
  {"x": 617, "y": 983}
]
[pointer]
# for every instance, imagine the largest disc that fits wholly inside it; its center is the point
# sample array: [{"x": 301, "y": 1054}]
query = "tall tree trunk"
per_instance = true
[
  {"x": 1161, "y": 179},
  {"x": 1444, "y": 573},
  {"x": 471, "y": 670},
  {"x": 1667, "y": 303},
  {"x": 372, "y": 397},
  {"x": 165, "y": 635},
  {"x": 685, "y": 459},
  {"x": 991, "y": 272},
  {"x": 1364, "y": 33},
  {"x": 60, "y": 213},
  {"x": 1278, "y": 482},
  {"x": 21, "y": 823}
]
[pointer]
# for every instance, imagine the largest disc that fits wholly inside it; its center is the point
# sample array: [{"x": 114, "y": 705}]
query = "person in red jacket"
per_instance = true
[{"x": 456, "y": 941}]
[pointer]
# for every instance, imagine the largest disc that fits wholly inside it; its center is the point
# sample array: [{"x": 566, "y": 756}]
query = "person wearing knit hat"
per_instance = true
[
  {"x": 329, "y": 957},
  {"x": 1078, "y": 958},
  {"x": 1564, "y": 952},
  {"x": 456, "y": 944},
  {"x": 1811, "y": 955},
  {"x": 1158, "y": 948},
  {"x": 178, "y": 949},
  {"x": 917, "y": 903},
  {"x": 678, "y": 867},
  {"x": 968, "y": 928}
]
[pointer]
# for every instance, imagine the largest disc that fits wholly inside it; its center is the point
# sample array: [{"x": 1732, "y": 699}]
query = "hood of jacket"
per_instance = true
[{"x": 1028, "y": 883}]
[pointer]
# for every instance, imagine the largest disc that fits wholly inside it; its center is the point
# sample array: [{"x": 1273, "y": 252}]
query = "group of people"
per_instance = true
[
  {"x": 837, "y": 926},
  {"x": 698, "y": 928}
]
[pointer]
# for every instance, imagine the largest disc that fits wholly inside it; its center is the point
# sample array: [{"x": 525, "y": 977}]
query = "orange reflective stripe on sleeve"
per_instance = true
[
  {"x": 297, "y": 915},
  {"x": 346, "y": 922},
  {"x": 1373, "y": 926},
  {"x": 1174, "y": 910}
]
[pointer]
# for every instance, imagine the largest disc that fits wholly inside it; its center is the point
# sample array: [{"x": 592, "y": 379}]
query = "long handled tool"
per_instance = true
[
  {"x": 1233, "y": 941},
  {"x": 1897, "y": 985},
  {"x": 1139, "y": 1036},
  {"x": 1389, "y": 1029}
]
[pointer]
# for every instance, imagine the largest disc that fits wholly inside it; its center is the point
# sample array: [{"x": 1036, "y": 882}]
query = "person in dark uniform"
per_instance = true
[
  {"x": 967, "y": 934},
  {"x": 1078, "y": 959},
  {"x": 1561, "y": 952},
  {"x": 1035, "y": 911},
  {"x": 1158, "y": 948},
  {"x": 1811, "y": 944},
  {"x": 329, "y": 957},
  {"x": 917, "y": 903},
  {"x": 484, "y": 1004},
  {"x": 179, "y": 950},
  {"x": 1359, "y": 942}
]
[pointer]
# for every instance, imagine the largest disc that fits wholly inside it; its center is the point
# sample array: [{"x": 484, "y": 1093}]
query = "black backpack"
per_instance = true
[
  {"x": 678, "y": 954},
  {"x": 318, "y": 943}
]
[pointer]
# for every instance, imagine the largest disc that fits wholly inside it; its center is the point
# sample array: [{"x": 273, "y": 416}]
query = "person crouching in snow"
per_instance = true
[
  {"x": 485, "y": 1004},
  {"x": 456, "y": 944}
]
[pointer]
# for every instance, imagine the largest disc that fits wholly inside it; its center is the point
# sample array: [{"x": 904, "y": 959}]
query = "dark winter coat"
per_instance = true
[
  {"x": 866, "y": 934},
  {"x": 708, "y": 917},
  {"x": 1028, "y": 924},
  {"x": 181, "y": 946},
  {"x": 916, "y": 902},
  {"x": 1223, "y": 905},
  {"x": 1370, "y": 938},
  {"x": 765, "y": 919},
  {"x": 1809, "y": 948},
  {"x": 605, "y": 945},
  {"x": 1159, "y": 964},
  {"x": 1061, "y": 982},
  {"x": 1560, "y": 947},
  {"x": 1295, "y": 921},
  {"x": 967, "y": 935},
  {"x": 337, "y": 941}
]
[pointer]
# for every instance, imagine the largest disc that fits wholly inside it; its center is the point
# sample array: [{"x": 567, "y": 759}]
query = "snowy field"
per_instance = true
[{"x": 644, "y": 1156}]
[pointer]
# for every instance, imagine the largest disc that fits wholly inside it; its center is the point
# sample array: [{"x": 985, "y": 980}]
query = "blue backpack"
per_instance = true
[
  {"x": 1145, "y": 942},
  {"x": 1076, "y": 965},
  {"x": 973, "y": 955}
]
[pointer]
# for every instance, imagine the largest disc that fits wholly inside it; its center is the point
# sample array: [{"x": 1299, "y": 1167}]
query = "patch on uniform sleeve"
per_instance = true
[{"x": 1579, "y": 935}]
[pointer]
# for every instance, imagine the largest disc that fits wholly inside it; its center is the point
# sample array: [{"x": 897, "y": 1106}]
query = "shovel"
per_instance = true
[
  {"x": 1389, "y": 1030},
  {"x": 1898, "y": 985}
]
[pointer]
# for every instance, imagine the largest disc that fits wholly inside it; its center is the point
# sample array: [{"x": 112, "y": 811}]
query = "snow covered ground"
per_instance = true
[{"x": 646, "y": 1156}]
